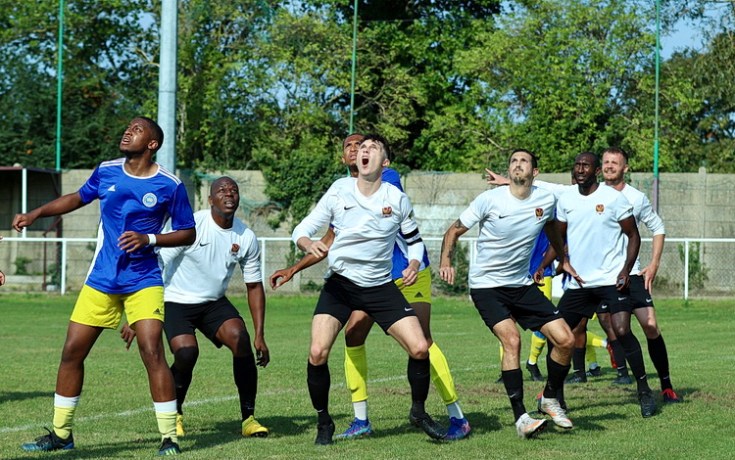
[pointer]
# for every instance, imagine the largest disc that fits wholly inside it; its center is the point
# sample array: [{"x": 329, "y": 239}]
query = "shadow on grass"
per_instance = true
[
  {"x": 6, "y": 396},
  {"x": 101, "y": 450}
]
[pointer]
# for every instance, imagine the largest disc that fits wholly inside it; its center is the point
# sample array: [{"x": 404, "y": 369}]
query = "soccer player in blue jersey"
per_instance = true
[{"x": 136, "y": 196}]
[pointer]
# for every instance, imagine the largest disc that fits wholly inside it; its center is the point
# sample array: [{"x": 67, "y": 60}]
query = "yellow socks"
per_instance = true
[
  {"x": 166, "y": 418},
  {"x": 356, "y": 372},
  {"x": 441, "y": 376},
  {"x": 64, "y": 408}
]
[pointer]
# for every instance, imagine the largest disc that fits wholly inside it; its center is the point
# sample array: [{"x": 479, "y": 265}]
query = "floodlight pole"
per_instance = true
[
  {"x": 59, "y": 83},
  {"x": 166, "y": 156},
  {"x": 656, "y": 116},
  {"x": 354, "y": 66}
]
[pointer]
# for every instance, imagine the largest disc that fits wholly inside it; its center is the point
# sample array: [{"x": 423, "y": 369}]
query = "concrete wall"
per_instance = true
[{"x": 696, "y": 205}]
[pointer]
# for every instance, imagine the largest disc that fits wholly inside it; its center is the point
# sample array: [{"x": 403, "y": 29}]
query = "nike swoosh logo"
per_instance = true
[
  {"x": 556, "y": 312},
  {"x": 349, "y": 207},
  {"x": 621, "y": 298},
  {"x": 203, "y": 244},
  {"x": 503, "y": 217},
  {"x": 408, "y": 309},
  {"x": 649, "y": 299}
]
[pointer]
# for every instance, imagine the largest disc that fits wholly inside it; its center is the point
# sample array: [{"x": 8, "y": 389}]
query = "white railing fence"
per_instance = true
[{"x": 690, "y": 267}]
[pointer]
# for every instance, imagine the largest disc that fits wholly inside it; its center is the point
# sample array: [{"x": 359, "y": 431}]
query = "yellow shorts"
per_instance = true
[
  {"x": 546, "y": 288},
  {"x": 420, "y": 291},
  {"x": 98, "y": 309}
]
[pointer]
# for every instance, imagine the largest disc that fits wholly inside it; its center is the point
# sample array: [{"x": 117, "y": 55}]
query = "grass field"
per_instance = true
[{"x": 115, "y": 416}]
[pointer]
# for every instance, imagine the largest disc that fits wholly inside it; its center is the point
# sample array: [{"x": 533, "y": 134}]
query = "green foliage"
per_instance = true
[
  {"x": 698, "y": 272},
  {"x": 21, "y": 265}
]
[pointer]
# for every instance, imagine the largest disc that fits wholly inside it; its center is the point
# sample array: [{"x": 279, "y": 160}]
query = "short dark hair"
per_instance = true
[
  {"x": 157, "y": 131},
  {"x": 380, "y": 139},
  {"x": 617, "y": 151},
  {"x": 596, "y": 163},
  {"x": 534, "y": 158},
  {"x": 351, "y": 135}
]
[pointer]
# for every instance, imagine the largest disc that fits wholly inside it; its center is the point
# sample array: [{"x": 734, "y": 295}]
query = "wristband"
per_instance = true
[{"x": 151, "y": 239}]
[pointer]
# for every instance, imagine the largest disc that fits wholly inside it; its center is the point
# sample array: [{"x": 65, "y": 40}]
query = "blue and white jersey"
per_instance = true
[
  {"x": 400, "y": 250},
  {"x": 130, "y": 203}
]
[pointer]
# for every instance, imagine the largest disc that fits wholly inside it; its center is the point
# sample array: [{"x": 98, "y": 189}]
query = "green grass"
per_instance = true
[{"x": 115, "y": 416}]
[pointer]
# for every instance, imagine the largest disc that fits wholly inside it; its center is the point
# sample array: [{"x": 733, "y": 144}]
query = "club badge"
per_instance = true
[
  {"x": 387, "y": 211},
  {"x": 539, "y": 213},
  {"x": 600, "y": 208}
]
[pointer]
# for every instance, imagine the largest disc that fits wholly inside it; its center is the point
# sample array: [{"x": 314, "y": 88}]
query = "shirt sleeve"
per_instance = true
[
  {"x": 320, "y": 216},
  {"x": 474, "y": 212},
  {"x": 410, "y": 231},
  {"x": 623, "y": 208},
  {"x": 90, "y": 190},
  {"x": 556, "y": 189},
  {"x": 650, "y": 219},
  {"x": 250, "y": 262},
  {"x": 180, "y": 211}
]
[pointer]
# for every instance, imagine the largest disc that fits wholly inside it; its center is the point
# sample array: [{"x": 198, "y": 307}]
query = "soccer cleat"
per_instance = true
[
  {"x": 528, "y": 428},
  {"x": 49, "y": 442},
  {"x": 535, "y": 372},
  {"x": 596, "y": 372},
  {"x": 168, "y": 447},
  {"x": 426, "y": 423},
  {"x": 358, "y": 429},
  {"x": 562, "y": 403},
  {"x": 577, "y": 377},
  {"x": 648, "y": 404},
  {"x": 670, "y": 397},
  {"x": 459, "y": 428},
  {"x": 252, "y": 429},
  {"x": 552, "y": 408},
  {"x": 622, "y": 380},
  {"x": 324, "y": 433},
  {"x": 180, "y": 432}
]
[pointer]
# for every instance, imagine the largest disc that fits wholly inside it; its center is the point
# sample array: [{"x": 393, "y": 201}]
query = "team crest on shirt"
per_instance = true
[
  {"x": 539, "y": 213},
  {"x": 150, "y": 200},
  {"x": 600, "y": 208},
  {"x": 235, "y": 249},
  {"x": 387, "y": 211}
]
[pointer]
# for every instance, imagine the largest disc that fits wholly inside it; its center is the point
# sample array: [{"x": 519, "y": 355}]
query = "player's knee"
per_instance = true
[
  {"x": 651, "y": 329},
  {"x": 419, "y": 350},
  {"x": 621, "y": 329},
  {"x": 318, "y": 355},
  {"x": 565, "y": 341},
  {"x": 186, "y": 357}
]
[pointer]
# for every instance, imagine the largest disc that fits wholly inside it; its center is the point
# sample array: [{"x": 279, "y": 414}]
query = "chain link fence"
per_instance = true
[{"x": 690, "y": 267}]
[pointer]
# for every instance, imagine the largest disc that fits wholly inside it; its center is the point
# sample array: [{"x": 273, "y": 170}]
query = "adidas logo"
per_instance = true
[{"x": 112, "y": 188}]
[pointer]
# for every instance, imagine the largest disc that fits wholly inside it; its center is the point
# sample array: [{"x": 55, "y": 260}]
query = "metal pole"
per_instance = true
[
  {"x": 59, "y": 83},
  {"x": 354, "y": 66},
  {"x": 24, "y": 197},
  {"x": 166, "y": 156},
  {"x": 656, "y": 117}
]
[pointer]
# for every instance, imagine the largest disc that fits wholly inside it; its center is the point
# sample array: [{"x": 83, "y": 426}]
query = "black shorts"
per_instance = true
[
  {"x": 526, "y": 304},
  {"x": 639, "y": 295},
  {"x": 384, "y": 303},
  {"x": 184, "y": 318},
  {"x": 584, "y": 302}
]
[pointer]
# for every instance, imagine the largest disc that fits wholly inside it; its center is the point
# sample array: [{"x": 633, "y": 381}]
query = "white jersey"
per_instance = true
[
  {"x": 597, "y": 245},
  {"x": 201, "y": 272},
  {"x": 644, "y": 214},
  {"x": 365, "y": 229},
  {"x": 508, "y": 231}
]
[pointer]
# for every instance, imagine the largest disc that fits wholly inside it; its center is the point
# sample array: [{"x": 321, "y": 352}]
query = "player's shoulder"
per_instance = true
[
  {"x": 117, "y": 162},
  {"x": 168, "y": 175}
]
